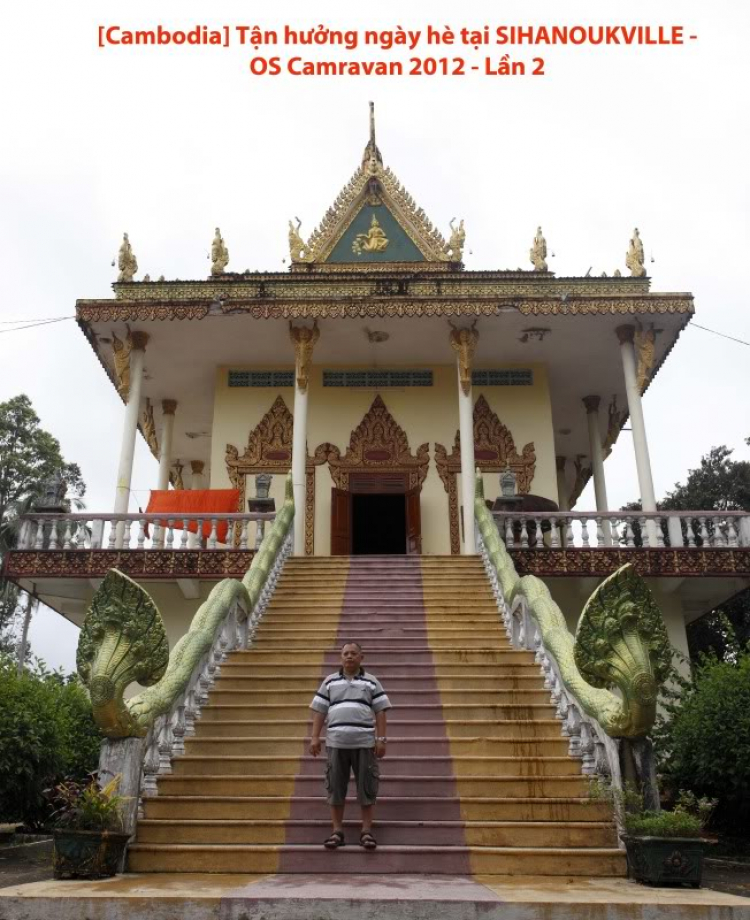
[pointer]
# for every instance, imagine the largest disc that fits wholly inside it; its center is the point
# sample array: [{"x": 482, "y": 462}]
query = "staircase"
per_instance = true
[{"x": 477, "y": 779}]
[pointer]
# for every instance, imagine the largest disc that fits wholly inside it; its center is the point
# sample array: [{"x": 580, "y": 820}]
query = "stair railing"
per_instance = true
[{"x": 145, "y": 733}]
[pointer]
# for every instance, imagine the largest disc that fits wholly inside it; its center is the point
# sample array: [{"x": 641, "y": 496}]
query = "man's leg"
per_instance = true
[
  {"x": 337, "y": 817},
  {"x": 367, "y": 811},
  {"x": 337, "y": 780}
]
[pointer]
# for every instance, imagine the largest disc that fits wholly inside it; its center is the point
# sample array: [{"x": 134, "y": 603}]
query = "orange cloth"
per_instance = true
[{"x": 178, "y": 502}]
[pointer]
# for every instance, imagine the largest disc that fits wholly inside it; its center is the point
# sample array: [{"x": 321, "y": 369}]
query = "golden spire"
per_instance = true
[{"x": 371, "y": 150}]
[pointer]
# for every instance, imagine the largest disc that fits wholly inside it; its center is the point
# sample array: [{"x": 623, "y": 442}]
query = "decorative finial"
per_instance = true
[
  {"x": 455, "y": 245},
  {"x": 634, "y": 258},
  {"x": 219, "y": 254},
  {"x": 296, "y": 244},
  {"x": 126, "y": 261},
  {"x": 372, "y": 155},
  {"x": 538, "y": 252}
]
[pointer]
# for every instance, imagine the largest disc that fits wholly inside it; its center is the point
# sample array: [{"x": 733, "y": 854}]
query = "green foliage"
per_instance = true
[
  {"x": 46, "y": 733},
  {"x": 86, "y": 807},
  {"x": 704, "y": 741},
  {"x": 663, "y": 824},
  {"x": 688, "y": 818}
]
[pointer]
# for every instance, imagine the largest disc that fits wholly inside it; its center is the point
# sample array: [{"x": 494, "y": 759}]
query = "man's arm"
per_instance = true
[
  {"x": 318, "y": 720},
  {"x": 380, "y": 729}
]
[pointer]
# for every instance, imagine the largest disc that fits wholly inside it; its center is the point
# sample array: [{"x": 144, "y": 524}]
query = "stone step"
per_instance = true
[
  {"x": 377, "y": 656},
  {"x": 516, "y": 669},
  {"x": 222, "y": 695},
  {"x": 389, "y": 833},
  {"x": 312, "y": 618},
  {"x": 268, "y": 641},
  {"x": 225, "y": 725},
  {"x": 394, "y": 860},
  {"x": 390, "y": 785},
  {"x": 208, "y": 745},
  {"x": 490, "y": 683},
  {"x": 420, "y": 807},
  {"x": 428, "y": 712},
  {"x": 395, "y": 766}
]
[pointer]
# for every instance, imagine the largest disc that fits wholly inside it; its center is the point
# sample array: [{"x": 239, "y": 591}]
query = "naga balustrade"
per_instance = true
[
  {"x": 623, "y": 530},
  {"x": 136, "y": 531}
]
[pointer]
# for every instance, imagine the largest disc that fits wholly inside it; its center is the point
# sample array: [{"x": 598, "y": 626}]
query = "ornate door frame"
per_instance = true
[
  {"x": 269, "y": 450},
  {"x": 494, "y": 452}
]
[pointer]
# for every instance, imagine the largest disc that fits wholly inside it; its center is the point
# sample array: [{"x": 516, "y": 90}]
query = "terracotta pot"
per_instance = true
[
  {"x": 87, "y": 854},
  {"x": 665, "y": 860}
]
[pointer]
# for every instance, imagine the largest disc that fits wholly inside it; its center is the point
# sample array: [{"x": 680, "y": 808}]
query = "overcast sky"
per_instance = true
[{"x": 168, "y": 143}]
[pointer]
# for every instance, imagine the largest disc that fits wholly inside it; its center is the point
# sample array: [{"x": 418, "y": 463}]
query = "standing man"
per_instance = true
[{"x": 355, "y": 704}]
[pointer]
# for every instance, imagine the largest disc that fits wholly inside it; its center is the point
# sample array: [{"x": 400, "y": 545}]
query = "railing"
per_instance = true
[
  {"x": 138, "y": 531},
  {"x": 623, "y": 530}
]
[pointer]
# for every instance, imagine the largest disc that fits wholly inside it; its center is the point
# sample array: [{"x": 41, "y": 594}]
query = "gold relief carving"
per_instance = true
[
  {"x": 583, "y": 474},
  {"x": 538, "y": 252},
  {"x": 634, "y": 257},
  {"x": 455, "y": 245},
  {"x": 645, "y": 349},
  {"x": 304, "y": 340},
  {"x": 176, "y": 475},
  {"x": 219, "y": 254},
  {"x": 126, "y": 261},
  {"x": 374, "y": 240},
  {"x": 149, "y": 429},
  {"x": 121, "y": 354},
  {"x": 378, "y": 443},
  {"x": 494, "y": 452},
  {"x": 464, "y": 343},
  {"x": 615, "y": 420},
  {"x": 269, "y": 450},
  {"x": 297, "y": 248}
]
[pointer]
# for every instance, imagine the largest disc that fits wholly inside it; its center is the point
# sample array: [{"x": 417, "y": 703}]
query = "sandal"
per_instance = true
[
  {"x": 367, "y": 841},
  {"x": 335, "y": 841}
]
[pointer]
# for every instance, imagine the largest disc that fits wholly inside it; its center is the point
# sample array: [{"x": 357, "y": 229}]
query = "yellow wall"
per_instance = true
[{"x": 425, "y": 413}]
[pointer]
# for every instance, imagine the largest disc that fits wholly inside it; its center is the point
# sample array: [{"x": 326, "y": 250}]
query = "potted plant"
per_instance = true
[
  {"x": 662, "y": 847},
  {"x": 89, "y": 841}
]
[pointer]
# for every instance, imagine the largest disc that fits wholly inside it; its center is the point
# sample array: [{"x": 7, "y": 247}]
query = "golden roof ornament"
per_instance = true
[
  {"x": 538, "y": 252},
  {"x": 455, "y": 245},
  {"x": 219, "y": 254},
  {"x": 374, "y": 240},
  {"x": 464, "y": 343},
  {"x": 634, "y": 258},
  {"x": 149, "y": 428},
  {"x": 121, "y": 355},
  {"x": 372, "y": 157},
  {"x": 126, "y": 261},
  {"x": 296, "y": 244},
  {"x": 645, "y": 347},
  {"x": 304, "y": 339}
]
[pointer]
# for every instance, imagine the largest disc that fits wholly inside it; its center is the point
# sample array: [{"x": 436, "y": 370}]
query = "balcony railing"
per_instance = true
[
  {"x": 140, "y": 531},
  {"x": 621, "y": 530}
]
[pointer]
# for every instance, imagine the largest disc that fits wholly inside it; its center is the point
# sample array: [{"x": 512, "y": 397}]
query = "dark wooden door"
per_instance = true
[
  {"x": 341, "y": 522},
  {"x": 413, "y": 524}
]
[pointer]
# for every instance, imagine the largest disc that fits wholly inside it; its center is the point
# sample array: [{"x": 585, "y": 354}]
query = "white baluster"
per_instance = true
[
  {"x": 151, "y": 762},
  {"x": 165, "y": 745},
  {"x": 599, "y": 532},
  {"x": 659, "y": 533},
  {"x": 212, "y": 538},
  {"x": 112, "y": 534},
  {"x": 732, "y": 533},
  {"x": 690, "y": 532},
  {"x": 569, "y": 535},
  {"x": 243, "y": 535},
  {"x": 585, "y": 531},
  {"x": 704, "y": 531},
  {"x": 170, "y": 533},
  {"x": 178, "y": 727},
  {"x": 52, "y": 534},
  {"x": 629, "y": 539},
  {"x": 645, "y": 540},
  {"x": 141, "y": 539},
  {"x": 524, "y": 534},
  {"x": 554, "y": 536},
  {"x": 587, "y": 750},
  {"x": 185, "y": 532},
  {"x": 573, "y": 725},
  {"x": 68, "y": 538},
  {"x": 509, "y": 536},
  {"x": 718, "y": 532}
]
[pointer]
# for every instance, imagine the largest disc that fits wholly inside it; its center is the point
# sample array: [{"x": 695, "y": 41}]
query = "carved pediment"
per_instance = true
[
  {"x": 269, "y": 444},
  {"x": 378, "y": 443},
  {"x": 494, "y": 450}
]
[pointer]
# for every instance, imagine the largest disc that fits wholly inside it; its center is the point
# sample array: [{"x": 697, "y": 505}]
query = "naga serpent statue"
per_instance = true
[
  {"x": 621, "y": 640},
  {"x": 123, "y": 639}
]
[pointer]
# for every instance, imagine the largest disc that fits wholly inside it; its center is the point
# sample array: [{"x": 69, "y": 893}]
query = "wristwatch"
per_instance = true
[{"x": 383, "y": 739}]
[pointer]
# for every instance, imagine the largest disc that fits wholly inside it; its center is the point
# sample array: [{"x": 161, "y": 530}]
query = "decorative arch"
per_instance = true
[
  {"x": 269, "y": 450},
  {"x": 378, "y": 444},
  {"x": 494, "y": 451}
]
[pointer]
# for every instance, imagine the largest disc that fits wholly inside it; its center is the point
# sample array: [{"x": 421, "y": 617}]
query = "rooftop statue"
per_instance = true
[
  {"x": 296, "y": 243},
  {"x": 126, "y": 261},
  {"x": 538, "y": 252},
  {"x": 374, "y": 240},
  {"x": 455, "y": 246},
  {"x": 219, "y": 254},
  {"x": 634, "y": 258}
]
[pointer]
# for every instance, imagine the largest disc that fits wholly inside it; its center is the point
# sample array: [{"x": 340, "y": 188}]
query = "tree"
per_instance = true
[
  {"x": 29, "y": 458},
  {"x": 718, "y": 484}
]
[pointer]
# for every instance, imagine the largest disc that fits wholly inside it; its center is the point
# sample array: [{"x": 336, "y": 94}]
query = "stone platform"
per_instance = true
[{"x": 365, "y": 897}]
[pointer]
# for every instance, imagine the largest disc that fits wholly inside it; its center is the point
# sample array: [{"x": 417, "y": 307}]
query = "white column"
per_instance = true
[
  {"x": 466, "y": 429},
  {"x": 168, "y": 407},
  {"x": 562, "y": 485},
  {"x": 196, "y": 469},
  {"x": 130, "y": 423},
  {"x": 597, "y": 461},
  {"x": 299, "y": 463},
  {"x": 626, "y": 335}
]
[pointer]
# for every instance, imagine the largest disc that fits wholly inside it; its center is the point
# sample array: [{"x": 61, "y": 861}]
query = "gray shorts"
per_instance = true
[{"x": 342, "y": 762}]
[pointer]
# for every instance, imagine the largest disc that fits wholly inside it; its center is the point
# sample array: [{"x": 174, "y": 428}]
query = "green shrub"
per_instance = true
[
  {"x": 47, "y": 733},
  {"x": 704, "y": 745},
  {"x": 663, "y": 824}
]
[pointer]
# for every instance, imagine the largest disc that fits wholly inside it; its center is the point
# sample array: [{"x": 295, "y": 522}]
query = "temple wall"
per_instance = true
[{"x": 427, "y": 414}]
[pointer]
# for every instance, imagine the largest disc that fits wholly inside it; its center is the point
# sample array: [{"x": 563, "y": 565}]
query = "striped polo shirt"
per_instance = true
[{"x": 350, "y": 707}]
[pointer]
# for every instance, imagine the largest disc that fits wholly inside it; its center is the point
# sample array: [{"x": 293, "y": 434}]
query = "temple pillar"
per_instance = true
[
  {"x": 168, "y": 408},
  {"x": 130, "y": 423},
  {"x": 304, "y": 339},
  {"x": 464, "y": 343},
  {"x": 196, "y": 469},
  {"x": 591, "y": 403},
  {"x": 626, "y": 336}
]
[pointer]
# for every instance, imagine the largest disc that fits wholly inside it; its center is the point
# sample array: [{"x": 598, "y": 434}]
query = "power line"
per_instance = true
[
  {"x": 32, "y": 324},
  {"x": 722, "y": 334}
]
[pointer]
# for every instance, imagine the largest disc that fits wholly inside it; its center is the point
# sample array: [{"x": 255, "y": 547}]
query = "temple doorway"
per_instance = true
[{"x": 377, "y": 515}]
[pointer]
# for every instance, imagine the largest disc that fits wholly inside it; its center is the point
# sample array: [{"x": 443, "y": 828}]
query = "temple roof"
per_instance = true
[{"x": 375, "y": 221}]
